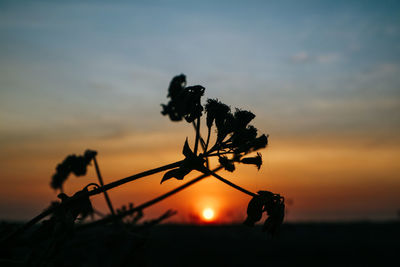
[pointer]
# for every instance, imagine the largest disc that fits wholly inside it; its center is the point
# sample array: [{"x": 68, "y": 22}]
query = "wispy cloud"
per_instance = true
[
  {"x": 300, "y": 57},
  {"x": 328, "y": 58},
  {"x": 324, "y": 58}
]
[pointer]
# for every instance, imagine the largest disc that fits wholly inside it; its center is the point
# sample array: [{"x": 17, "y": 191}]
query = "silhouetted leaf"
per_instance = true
[
  {"x": 187, "y": 152},
  {"x": 178, "y": 173},
  {"x": 191, "y": 162},
  {"x": 78, "y": 204},
  {"x": 83, "y": 206}
]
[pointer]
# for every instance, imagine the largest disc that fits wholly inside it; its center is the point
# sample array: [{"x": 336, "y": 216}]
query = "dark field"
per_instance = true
[
  {"x": 307, "y": 244},
  {"x": 355, "y": 244}
]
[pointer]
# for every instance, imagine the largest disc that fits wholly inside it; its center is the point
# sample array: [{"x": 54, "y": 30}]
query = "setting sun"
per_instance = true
[{"x": 208, "y": 214}]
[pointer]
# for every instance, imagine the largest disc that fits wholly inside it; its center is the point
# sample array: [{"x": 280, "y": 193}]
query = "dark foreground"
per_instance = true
[
  {"x": 357, "y": 244},
  {"x": 325, "y": 244}
]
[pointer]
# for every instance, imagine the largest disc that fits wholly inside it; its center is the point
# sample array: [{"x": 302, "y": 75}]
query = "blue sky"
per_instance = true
[
  {"x": 287, "y": 54},
  {"x": 314, "y": 72}
]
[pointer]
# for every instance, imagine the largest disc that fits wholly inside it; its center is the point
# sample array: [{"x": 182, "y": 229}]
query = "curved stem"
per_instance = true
[
  {"x": 151, "y": 202},
  {"x": 241, "y": 189}
]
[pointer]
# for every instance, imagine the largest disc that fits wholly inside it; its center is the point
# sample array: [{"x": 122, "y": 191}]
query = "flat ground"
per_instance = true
[
  {"x": 333, "y": 244},
  {"x": 306, "y": 244}
]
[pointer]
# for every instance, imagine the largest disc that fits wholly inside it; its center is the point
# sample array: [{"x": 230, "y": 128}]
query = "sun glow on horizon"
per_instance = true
[{"x": 208, "y": 214}]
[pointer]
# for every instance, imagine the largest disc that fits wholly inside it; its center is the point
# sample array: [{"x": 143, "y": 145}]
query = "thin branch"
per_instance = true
[
  {"x": 203, "y": 144},
  {"x": 209, "y": 172},
  {"x": 196, "y": 144},
  {"x": 134, "y": 177},
  {"x": 208, "y": 139},
  {"x": 220, "y": 153},
  {"x": 151, "y": 202},
  {"x": 108, "y": 200}
]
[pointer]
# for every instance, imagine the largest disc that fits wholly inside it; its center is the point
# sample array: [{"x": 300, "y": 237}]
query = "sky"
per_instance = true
[{"x": 322, "y": 77}]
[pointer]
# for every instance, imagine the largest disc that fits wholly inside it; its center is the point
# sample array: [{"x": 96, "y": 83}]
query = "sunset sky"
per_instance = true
[{"x": 323, "y": 78}]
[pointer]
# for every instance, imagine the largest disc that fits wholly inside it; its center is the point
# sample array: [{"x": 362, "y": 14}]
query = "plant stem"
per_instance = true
[
  {"x": 108, "y": 200},
  {"x": 241, "y": 189},
  {"x": 96, "y": 191},
  {"x": 218, "y": 154},
  {"x": 203, "y": 144},
  {"x": 133, "y": 177},
  {"x": 213, "y": 148},
  {"x": 153, "y": 201},
  {"x": 208, "y": 139},
  {"x": 196, "y": 144}
]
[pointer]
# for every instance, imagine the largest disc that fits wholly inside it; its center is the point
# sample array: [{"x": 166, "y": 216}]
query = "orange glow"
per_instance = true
[
  {"x": 329, "y": 182},
  {"x": 208, "y": 214}
]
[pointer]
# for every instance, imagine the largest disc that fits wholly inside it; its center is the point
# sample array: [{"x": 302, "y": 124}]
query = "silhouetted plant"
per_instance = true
[
  {"x": 235, "y": 139},
  {"x": 78, "y": 166},
  {"x": 272, "y": 204},
  {"x": 71, "y": 164}
]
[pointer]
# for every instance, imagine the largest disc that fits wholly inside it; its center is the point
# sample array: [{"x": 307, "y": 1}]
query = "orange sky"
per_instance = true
[
  {"x": 322, "y": 77},
  {"x": 336, "y": 180}
]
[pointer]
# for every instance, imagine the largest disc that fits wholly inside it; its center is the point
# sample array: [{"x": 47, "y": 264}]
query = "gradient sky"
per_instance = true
[{"x": 323, "y": 78}]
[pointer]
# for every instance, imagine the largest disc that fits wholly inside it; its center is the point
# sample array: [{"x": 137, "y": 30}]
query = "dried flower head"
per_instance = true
[
  {"x": 234, "y": 134},
  {"x": 272, "y": 204},
  {"x": 71, "y": 164},
  {"x": 226, "y": 163},
  {"x": 257, "y": 160},
  {"x": 216, "y": 111},
  {"x": 235, "y": 137},
  {"x": 185, "y": 101}
]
